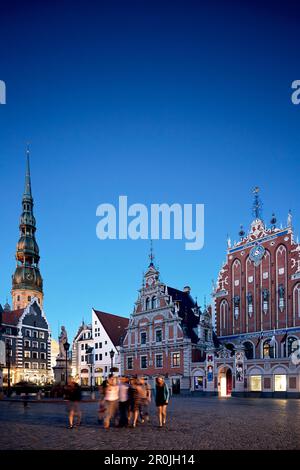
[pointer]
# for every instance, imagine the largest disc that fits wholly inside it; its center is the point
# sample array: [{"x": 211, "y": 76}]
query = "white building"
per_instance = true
[{"x": 96, "y": 348}]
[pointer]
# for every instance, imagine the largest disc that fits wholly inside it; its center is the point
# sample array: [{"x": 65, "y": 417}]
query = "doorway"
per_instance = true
[
  {"x": 175, "y": 386},
  {"x": 225, "y": 382}
]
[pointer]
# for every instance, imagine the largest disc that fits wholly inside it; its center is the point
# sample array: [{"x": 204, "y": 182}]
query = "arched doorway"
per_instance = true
[{"x": 225, "y": 382}]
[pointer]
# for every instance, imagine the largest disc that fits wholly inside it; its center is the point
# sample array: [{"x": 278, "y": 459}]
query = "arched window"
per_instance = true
[
  {"x": 248, "y": 350},
  {"x": 296, "y": 301},
  {"x": 154, "y": 302},
  {"x": 224, "y": 317},
  {"x": 148, "y": 303},
  {"x": 292, "y": 345},
  {"x": 268, "y": 350},
  {"x": 230, "y": 346}
]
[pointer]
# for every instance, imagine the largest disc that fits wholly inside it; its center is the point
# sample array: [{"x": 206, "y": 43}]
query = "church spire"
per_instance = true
[
  {"x": 27, "y": 281},
  {"x": 27, "y": 189}
]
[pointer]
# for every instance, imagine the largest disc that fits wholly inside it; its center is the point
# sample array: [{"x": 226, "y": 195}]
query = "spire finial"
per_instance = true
[
  {"x": 151, "y": 254},
  {"x": 257, "y": 204},
  {"x": 27, "y": 190}
]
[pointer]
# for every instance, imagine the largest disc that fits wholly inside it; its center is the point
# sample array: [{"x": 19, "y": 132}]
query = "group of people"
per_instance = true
[{"x": 123, "y": 401}]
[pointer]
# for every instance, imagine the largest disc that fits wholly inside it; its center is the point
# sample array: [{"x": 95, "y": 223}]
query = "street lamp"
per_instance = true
[
  {"x": 8, "y": 363},
  {"x": 89, "y": 351},
  {"x": 66, "y": 348},
  {"x": 112, "y": 354}
]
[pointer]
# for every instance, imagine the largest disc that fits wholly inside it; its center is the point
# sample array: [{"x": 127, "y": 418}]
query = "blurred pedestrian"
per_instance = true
[
  {"x": 73, "y": 394},
  {"x": 145, "y": 399},
  {"x": 123, "y": 401},
  {"x": 162, "y": 395},
  {"x": 111, "y": 401}
]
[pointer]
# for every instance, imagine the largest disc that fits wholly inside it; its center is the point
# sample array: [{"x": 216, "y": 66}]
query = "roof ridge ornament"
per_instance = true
[{"x": 257, "y": 204}]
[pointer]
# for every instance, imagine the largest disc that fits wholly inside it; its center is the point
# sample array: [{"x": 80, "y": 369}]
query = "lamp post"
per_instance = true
[
  {"x": 112, "y": 354},
  {"x": 8, "y": 363},
  {"x": 89, "y": 351},
  {"x": 66, "y": 348}
]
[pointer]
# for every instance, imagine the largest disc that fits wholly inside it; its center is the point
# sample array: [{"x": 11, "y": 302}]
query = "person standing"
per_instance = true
[
  {"x": 111, "y": 400},
  {"x": 73, "y": 393},
  {"x": 162, "y": 395},
  {"x": 123, "y": 401},
  {"x": 145, "y": 400}
]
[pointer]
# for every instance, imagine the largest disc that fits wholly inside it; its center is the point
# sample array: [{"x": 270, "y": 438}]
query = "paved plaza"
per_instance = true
[{"x": 193, "y": 423}]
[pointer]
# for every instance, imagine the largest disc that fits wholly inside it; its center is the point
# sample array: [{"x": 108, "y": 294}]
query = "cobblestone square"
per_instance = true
[{"x": 194, "y": 423}]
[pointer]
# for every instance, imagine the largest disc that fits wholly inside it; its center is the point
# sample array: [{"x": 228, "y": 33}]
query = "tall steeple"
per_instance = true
[{"x": 27, "y": 281}]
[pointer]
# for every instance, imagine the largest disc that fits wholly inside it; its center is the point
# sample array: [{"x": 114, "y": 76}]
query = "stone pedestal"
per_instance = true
[{"x": 59, "y": 371}]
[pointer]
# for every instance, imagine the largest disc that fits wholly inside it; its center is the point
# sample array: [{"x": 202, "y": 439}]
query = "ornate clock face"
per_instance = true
[
  {"x": 256, "y": 254},
  {"x": 29, "y": 277}
]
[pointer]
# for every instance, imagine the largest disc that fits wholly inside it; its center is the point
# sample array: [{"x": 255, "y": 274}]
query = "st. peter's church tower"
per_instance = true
[{"x": 27, "y": 281}]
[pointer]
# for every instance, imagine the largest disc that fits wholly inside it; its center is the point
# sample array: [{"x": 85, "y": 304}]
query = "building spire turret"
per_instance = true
[
  {"x": 27, "y": 281},
  {"x": 257, "y": 204}
]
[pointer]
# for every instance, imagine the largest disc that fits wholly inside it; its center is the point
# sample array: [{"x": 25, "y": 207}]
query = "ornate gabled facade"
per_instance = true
[
  {"x": 164, "y": 329},
  {"x": 26, "y": 333},
  {"x": 27, "y": 281},
  {"x": 257, "y": 305}
]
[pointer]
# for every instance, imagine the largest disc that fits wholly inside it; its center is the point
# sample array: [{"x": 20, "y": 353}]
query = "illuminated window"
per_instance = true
[
  {"x": 268, "y": 350},
  {"x": 292, "y": 345},
  {"x": 255, "y": 383},
  {"x": 280, "y": 383},
  {"x": 176, "y": 359}
]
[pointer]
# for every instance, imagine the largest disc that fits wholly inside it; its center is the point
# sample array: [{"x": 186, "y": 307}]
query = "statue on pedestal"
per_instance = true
[{"x": 62, "y": 340}]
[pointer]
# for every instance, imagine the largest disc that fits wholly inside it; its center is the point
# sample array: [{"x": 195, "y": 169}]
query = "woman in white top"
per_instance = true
[{"x": 111, "y": 400}]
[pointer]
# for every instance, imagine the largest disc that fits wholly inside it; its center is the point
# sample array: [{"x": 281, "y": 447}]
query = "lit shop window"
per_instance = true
[
  {"x": 280, "y": 383},
  {"x": 255, "y": 383}
]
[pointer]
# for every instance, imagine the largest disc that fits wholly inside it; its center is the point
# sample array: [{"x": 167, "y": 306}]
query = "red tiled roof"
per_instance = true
[
  {"x": 12, "y": 317},
  {"x": 114, "y": 325}
]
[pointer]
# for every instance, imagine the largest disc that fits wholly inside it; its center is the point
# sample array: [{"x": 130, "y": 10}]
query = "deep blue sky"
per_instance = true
[{"x": 176, "y": 101}]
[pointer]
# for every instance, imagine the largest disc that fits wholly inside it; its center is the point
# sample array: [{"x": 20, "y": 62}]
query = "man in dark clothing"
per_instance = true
[{"x": 73, "y": 394}]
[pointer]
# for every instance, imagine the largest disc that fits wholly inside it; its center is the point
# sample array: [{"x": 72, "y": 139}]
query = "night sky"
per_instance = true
[{"x": 182, "y": 101}]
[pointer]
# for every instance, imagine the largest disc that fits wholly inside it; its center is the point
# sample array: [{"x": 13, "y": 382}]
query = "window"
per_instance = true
[
  {"x": 35, "y": 365},
  {"x": 100, "y": 345},
  {"x": 29, "y": 298},
  {"x": 268, "y": 350},
  {"x": 82, "y": 347},
  {"x": 95, "y": 322},
  {"x": 43, "y": 355},
  {"x": 100, "y": 357},
  {"x": 106, "y": 354},
  {"x": 154, "y": 302},
  {"x": 96, "y": 357},
  {"x": 255, "y": 383},
  {"x": 35, "y": 344},
  {"x": 105, "y": 369},
  {"x": 96, "y": 345},
  {"x": 27, "y": 333},
  {"x": 158, "y": 361},
  {"x": 248, "y": 350},
  {"x": 143, "y": 337},
  {"x": 105, "y": 342},
  {"x": 143, "y": 362},
  {"x": 176, "y": 359},
  {"x": 43, "y": 345},
  {"x": 158, "y": 336},
  {"x": 18, "y": 298},
  {"x": 27, "y": 343},
  {"x": 129, "y": 363},
  {"x": 292, "y": 345},
  {"x": 8, "y": 331},
  {"x": 35, "y": 355},
  {"x": 26, "y": 353},
  {"x": 35, "y": 334},
  {"x": 82, "y": 358},
  {"x": 148, "y": 304},
  {"x": 280, "y": 383},
  {"x": 27, "y": 365},
  {"x": 42, "y": 334}
]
